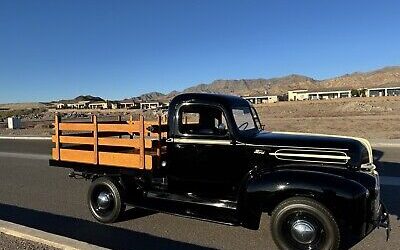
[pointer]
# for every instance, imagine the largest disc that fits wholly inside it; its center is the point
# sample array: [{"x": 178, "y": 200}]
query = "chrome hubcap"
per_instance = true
[
  {"x": 103, "y": 200},
  {"x": 303, "y": 231}
]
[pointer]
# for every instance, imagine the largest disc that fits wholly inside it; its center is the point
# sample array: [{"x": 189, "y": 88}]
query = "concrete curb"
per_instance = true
[
  {"x": 25, "y": 138},
  {"x": 45, "y": 238}
]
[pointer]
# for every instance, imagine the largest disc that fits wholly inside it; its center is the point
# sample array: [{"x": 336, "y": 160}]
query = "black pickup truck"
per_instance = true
[{"x": 219, "y": 165}]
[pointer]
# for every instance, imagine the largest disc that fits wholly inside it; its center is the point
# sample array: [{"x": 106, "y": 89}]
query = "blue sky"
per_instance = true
[{"x": 116, "y": 49}]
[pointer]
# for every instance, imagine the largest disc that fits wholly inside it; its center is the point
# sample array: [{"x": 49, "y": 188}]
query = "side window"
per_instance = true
[{"x": 198, "y": 119}]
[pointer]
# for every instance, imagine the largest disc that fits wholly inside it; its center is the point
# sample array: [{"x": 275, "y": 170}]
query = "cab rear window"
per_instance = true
[{"x": 198, "y": 119}]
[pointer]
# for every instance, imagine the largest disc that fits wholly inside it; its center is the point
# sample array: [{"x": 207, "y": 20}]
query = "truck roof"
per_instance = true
[{"x": 225, "y": 100}]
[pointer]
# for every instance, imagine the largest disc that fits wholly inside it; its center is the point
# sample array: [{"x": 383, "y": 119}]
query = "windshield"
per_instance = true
[
  {"x": 244, "y": 119},
  {"x": 257, "y": 118}
]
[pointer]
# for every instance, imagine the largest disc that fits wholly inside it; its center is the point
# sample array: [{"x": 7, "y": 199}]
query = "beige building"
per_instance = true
[
  {"x": 323, "y": 95},
  {"x": 99, "y": 105},
  {"x": 387, "y": 91},
  {"x": 261, "y": 99},
  {"x": 298, "y": 95},
  {"x": 129, "y": 105},
  {"x": 150, "y": 105},
  {"x": 61, "y": 105},
  {"x": 73, "y": 105},
  {"x": 303, "y": 94},
  {"x": 81, "y": 105},
  {"x": 115, "y": 105}
]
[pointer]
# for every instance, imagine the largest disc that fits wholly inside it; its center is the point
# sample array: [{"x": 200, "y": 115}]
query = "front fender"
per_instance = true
[{"x": 345, "y": 198}]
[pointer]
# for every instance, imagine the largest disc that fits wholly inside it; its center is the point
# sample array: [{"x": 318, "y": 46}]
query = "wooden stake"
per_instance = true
[
  {"x": 142, "y": 143},
  {"x": 119, "y": 119},
  {"x": 130, "y": 123},
  {"x": 57, "y": 133},
  {"x": 159, "y": 137},
  {"x": 96, "y": 140}
]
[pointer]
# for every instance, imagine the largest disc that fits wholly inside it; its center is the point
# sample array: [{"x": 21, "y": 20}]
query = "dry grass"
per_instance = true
[{"x": 27, "y": 105}]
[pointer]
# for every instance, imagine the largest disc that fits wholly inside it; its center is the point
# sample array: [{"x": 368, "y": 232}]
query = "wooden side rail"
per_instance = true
[
  {"x": 129, "y": 128},
  {"x": 76, "y": 126},
  {"x": 91, "y": 147},
  {"x": 117, "y": 142}
]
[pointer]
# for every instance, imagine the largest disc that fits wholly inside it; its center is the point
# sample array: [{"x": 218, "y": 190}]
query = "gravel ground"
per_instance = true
[{"x": 11, "y": 242}]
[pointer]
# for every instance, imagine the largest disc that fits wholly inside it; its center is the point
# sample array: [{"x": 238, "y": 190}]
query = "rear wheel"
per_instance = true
[
  {"x": 304, "y": 224},
  {"x": 105, "y": 200}
]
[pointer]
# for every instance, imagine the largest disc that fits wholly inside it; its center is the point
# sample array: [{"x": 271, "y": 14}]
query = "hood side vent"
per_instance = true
[{"x": 312, "y": 156}]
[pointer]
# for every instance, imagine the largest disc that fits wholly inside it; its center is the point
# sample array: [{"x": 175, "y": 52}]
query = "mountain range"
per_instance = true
[
  {"x": 388, "y": 76},
  {"x": 384, "y": 77}
]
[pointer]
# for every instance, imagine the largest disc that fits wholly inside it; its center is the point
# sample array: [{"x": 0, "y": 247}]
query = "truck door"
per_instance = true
[{"x": 204, "y": 161}]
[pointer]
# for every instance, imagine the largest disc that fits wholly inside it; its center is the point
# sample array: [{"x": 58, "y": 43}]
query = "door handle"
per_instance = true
[{"x": 181, "y": 146}]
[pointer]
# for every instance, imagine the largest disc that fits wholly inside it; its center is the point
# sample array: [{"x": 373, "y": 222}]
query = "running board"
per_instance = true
[
  {"x": 188, "y": 214},
  {"x": 227, "y": 204}
]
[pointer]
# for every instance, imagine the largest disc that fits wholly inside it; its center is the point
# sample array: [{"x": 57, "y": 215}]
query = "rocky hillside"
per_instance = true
[
  {"x": 254, "y": 86},
  {"x": 389, "y": 76},
  {"x": 152, "y": 96},
  {"x": 83, "y": 98}
]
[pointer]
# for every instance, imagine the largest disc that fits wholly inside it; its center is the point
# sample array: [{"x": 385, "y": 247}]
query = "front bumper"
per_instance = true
[{"x": 383, "y": 220}]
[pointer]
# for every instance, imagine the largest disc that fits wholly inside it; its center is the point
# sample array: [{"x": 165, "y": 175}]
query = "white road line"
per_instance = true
[
  {"x": 390, "y": 180},
  {"x": 25, "y": 156},
  {"x": 386, "y": 145}
]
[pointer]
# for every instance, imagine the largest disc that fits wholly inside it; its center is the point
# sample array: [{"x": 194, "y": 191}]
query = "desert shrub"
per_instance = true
[{"x": 21, "y": 112}]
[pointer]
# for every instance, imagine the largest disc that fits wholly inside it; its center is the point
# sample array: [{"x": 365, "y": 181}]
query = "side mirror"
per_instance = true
[
  {"x": 221, "y": 126},
  {"x": 222, "y": 129}
]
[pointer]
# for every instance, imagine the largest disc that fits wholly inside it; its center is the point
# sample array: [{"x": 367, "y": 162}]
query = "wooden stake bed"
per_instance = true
[{"x": 121, "y": 144}]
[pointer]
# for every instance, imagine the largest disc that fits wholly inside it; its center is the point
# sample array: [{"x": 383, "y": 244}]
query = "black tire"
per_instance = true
[
  {"x": 103, "y": 211},
  {"x": 303, "y": 223}
]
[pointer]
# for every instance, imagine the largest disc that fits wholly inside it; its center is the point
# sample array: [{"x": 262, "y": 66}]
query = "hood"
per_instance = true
[{"x": 317, "y": 148}]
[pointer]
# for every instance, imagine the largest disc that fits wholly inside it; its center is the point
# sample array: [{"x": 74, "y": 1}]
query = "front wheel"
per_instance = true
[
  {"x": 105, "y": 200},
  {"x": 304, "y": 224}
]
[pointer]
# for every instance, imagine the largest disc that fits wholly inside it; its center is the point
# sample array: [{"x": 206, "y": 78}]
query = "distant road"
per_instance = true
[{"x": 36, "y": 195}]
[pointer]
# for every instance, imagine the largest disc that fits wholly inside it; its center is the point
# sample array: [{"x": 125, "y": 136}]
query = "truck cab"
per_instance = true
[
  {"x": 216, "y": 163},
  {"x": 203, "y": 153}
]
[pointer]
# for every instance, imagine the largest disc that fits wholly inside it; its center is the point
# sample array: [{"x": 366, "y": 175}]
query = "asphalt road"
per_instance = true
[{"x": 36, "y": 195}]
